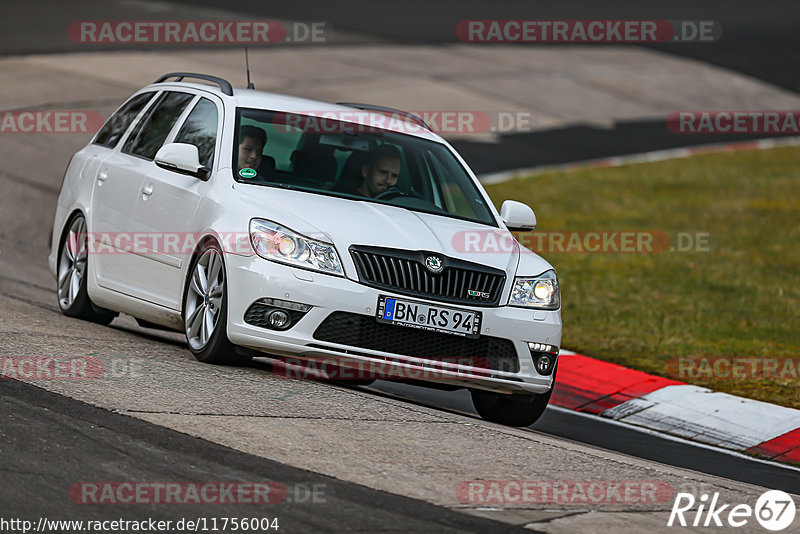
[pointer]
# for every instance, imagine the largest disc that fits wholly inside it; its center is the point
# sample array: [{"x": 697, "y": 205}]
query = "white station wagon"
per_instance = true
[{"x": 303, "y": 231}]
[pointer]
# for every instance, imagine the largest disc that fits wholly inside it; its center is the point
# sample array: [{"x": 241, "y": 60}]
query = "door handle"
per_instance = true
[
  {"x": 147, "y": 191},
  {"x": 102, "y": 176}
]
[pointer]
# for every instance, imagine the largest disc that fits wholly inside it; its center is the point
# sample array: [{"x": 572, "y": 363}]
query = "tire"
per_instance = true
[
  {"x": 72, "y": 273},
  {"x": 511, "y": 410},
  {"x": 205, "y": 309}
]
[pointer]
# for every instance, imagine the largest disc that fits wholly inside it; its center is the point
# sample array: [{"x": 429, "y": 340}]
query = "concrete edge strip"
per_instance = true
[
  {"x": 643, "y": 157},
  {"x": 674, "y": 408}
]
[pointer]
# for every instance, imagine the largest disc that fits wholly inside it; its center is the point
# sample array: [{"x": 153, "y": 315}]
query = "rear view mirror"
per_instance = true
[
  {"x": 183, "y": 158},
  {"x": 517, "y": 216}
]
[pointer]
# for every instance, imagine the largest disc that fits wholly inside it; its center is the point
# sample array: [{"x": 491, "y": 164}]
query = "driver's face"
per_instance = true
[
  {"x": 380, "y": 176},
  {"x": 250, "y": 153}
]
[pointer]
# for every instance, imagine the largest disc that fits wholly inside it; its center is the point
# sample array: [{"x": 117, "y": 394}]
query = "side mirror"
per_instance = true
[
  {"x": 183, "y": 158},
  {"x": 517, "y": 216}
]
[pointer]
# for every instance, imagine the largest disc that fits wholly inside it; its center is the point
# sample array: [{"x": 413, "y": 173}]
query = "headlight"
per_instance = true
[
  {"x": 273, "y": 242},
  {"x": 537, "y": 292}
]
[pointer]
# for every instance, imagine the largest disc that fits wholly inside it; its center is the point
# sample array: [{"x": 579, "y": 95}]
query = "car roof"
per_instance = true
[{"x": 251, "y": 98}]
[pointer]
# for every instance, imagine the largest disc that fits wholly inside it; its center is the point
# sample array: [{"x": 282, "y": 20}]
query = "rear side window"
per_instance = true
[
  {"x": 152, "y": 130},
  {"x": 200, "y": 130},
  {"x": 113, "y": 130}
]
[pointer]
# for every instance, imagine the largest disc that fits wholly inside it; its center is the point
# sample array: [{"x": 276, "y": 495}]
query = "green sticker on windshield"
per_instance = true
[{"x": 247, "y": 173}]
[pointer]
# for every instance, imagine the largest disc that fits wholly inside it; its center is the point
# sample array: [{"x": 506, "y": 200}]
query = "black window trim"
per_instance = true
[
  {"x": 140, "y": 117},
  {"x": 185, "y": 115},
  {"x": 135, "y": 120}
]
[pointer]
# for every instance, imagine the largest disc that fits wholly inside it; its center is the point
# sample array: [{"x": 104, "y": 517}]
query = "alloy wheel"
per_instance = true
[
  {"x": 72, "y": 263},
  {"x": 204, "y": 299}
]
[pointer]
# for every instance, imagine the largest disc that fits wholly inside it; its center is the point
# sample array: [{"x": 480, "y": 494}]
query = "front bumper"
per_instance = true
[{"x": 251, "y": 278}]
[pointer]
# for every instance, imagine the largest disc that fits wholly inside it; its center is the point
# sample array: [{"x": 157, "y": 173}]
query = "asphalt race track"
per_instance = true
[
  {"x": 51, "y": 441},
  {"x": 386, "y": 458}
]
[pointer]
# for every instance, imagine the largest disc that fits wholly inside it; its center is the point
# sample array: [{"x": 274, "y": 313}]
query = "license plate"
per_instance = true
[{"x": 428, "y": 317}]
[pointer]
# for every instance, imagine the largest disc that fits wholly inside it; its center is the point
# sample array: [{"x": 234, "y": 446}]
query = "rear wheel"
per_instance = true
[
  {"x": 72, "y": 275},
  {"x": 205, "y": 309}
]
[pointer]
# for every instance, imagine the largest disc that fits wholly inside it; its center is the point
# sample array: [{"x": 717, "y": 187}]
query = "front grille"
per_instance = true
[
  {"x": 404, "y": 272},
  {"x": 365, "y": 332}
]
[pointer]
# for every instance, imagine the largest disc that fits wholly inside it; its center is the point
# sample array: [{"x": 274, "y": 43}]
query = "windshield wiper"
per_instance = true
[{"x": 261, "y": 182}]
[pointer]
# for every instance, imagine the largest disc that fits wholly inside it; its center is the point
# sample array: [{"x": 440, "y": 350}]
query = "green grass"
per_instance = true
[{"x": 740, "y": 299}]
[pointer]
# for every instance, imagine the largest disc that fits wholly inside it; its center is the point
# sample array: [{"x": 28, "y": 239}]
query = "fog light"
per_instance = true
[
  {"x": 544, "y": 364},
  {"x": 544, "y": 357},
  {"x": 275, "y": 314},
  {"x": 278, "y": 319}
]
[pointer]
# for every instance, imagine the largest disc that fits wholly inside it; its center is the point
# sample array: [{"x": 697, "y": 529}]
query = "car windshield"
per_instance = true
[{"x": 354, "y": 161}]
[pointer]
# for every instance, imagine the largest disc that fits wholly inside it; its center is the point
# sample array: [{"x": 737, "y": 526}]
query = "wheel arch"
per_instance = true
[
  {"x": 207, "y": 238},
  {"x": 65, "y": 228}
]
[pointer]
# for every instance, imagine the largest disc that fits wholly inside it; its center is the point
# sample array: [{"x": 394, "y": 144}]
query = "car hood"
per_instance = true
[{"x": 346, "y": 222}]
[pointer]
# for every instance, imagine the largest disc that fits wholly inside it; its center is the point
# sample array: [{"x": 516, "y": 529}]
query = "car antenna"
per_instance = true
[{"x": 247, "y": 66}]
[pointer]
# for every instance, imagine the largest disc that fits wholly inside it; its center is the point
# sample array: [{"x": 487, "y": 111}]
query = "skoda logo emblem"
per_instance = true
[{"x": 434, "y": 264}]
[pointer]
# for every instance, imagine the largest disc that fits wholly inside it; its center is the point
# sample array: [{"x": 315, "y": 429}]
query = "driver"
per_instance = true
[{"x": 380, "y": 172}]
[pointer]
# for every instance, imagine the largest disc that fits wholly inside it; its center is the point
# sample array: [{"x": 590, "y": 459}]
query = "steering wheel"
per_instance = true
[{"x": 394, "y": 192}]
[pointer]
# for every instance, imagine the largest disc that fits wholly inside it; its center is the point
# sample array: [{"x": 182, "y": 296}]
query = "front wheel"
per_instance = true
[
  {"x": 72, "y": 274},
  {"x": 205, "y": 309},
  {"x": 511, "y": 410}
]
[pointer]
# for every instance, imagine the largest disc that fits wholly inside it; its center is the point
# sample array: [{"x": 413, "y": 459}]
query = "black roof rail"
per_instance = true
[
  {"x": 224, "y": 85},
  {"x": 383, "y": 109}
]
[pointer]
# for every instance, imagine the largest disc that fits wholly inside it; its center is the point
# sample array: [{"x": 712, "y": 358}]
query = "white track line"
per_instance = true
[
  {"x": 707, "y": 416},
  {"x": 674, "y": 438}
]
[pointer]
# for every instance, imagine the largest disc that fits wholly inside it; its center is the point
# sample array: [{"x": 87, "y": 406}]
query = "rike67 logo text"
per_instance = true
[{"x": 774, "y": 510}]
